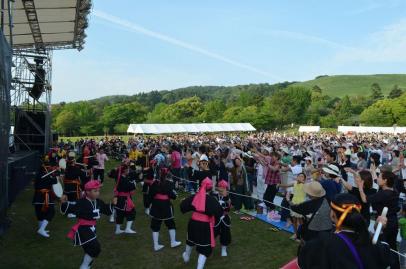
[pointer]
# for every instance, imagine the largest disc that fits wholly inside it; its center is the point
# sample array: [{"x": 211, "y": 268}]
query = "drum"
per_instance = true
[
  {"x": 57, "y": 188},
  {"x": 62, "y": 163}
]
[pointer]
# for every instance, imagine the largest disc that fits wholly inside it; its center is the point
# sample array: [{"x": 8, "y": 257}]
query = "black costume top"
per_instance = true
[
  {"x": 200, "y": 175},
  {"x": 43, "y": 187},
  {"x": 161, "y": 208},
  {"x": 198, "y": 231},
  {"x": 88, "y": 210},
  {"x": 225, "y": 204},
  {"x": 74, "y": 173},
  {"x": 328, "y": 251},
  {"x": 124, "y": 189}
]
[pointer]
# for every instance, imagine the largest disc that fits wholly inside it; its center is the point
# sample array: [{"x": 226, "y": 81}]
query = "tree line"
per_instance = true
[{"x": 265, "y": 106}]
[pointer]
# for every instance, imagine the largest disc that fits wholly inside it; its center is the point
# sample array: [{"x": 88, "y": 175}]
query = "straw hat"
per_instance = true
[{"x": 314, "y": 189}]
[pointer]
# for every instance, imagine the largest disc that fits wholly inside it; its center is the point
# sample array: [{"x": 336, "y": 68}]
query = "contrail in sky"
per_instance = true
[{"x": 142, "y": 30}]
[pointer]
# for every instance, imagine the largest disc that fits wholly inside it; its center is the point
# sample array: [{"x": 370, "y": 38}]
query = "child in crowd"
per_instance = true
[{"x": 298, "y": 197}]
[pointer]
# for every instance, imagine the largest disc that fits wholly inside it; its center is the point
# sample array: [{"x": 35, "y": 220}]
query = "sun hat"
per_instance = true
[
  {"x": 314, "y": 189},
  {"x": 332, "y": 169},
  {"x": 204, "y": 158}
]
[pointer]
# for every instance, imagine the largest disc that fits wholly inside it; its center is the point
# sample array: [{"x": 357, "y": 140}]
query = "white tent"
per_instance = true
[
  {"x": 189, "y": 128},
  {"x": 309, "y": 129},
  {"x": 371, "y": 129}
]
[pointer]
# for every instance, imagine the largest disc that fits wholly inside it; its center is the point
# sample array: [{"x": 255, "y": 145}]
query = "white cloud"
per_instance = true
[
  {"x": 384, "y": 46},
  {"x": 171, "y": 40},
  {"x": 306, "y": 38}
]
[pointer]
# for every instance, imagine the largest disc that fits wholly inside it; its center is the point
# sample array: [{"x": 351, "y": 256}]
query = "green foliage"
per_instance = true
[
  {"x": 289, "y": 105},
  {"x": 123, "y": 114},
  {"x": 184, "y": 111},
  {"x": 265, "y": 106},
  {"x": 386, "y": 112},
  {"x": 376, "y": 92},
  {"x": 213, "y": 111},
  {"x": 395, "y": 92}
]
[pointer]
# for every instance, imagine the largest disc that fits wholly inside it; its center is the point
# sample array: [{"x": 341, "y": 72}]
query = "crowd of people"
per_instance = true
[{"x": 332, "y": 185}]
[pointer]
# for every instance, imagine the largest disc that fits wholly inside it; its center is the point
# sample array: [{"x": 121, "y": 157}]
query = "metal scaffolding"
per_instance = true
[{"x": 31, "y": 68}]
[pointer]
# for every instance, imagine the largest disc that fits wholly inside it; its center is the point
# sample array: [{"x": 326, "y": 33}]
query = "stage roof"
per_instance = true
[
  {"x": 189, "y": 128},
  {"x": 48, "y": 24}
]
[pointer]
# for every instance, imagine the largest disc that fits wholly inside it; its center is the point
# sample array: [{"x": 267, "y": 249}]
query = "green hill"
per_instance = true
[{"x": 355, "y": 84}]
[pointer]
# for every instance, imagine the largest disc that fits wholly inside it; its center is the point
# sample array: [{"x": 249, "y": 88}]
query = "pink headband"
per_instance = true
[
  {"x": 92, "y": 184},
  {"x": 199, "y": 201},
  {"x": 222, "y": 184}
]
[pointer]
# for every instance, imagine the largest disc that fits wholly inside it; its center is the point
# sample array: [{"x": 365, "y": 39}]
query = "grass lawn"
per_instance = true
[
  {"x": 342, "y": 85},
  {"x": 254, "y": 245}
]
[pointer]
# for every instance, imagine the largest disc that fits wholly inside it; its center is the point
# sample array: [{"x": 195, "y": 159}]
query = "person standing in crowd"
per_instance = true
[
  {"x": 293, "y": 170},
  {"x": 176, "y": 165},
  {"x": 366, "y": 177},
  {"x": 239, "y": 185},
  {"x": 98, "y": 171},
  {"x": 316, "y": 212},
  {"x": 362, "y": 163},
  {"x": 87, "y": 210},
  {"x": 331, "y": 181},
  {"x": 350, "y": 246},
  {"x": 203, "y": 172},
  {"x": 161, "y": 192},
  {"x": 388, "y": 197},
  {"x": 299, "y": 197},
  {"x": 260, "y": 182},
  {"x": 272, "y": 178},
  {"x": 200, "y": 233},
  {"x": 308, "y": 168},
  {"x": 250, "y": 167},
  {"x": 188, "y": 170}
]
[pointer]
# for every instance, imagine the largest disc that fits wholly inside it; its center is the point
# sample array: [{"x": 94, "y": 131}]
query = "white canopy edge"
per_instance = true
[
  {"x": 309, "y": 129},
  {"x": 189, "y": 128},
  {"x": 371, "y": 129}
]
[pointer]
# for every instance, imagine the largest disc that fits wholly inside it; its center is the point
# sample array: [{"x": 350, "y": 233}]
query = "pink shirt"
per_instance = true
[{"x": 176, "y": 159}]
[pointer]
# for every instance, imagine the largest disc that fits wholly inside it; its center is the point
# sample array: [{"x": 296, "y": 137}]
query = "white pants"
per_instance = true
[{"x": 261, "y": 187}]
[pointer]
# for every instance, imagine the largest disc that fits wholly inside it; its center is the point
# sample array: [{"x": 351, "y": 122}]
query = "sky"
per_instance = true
[{"x": 140, "y": 46}]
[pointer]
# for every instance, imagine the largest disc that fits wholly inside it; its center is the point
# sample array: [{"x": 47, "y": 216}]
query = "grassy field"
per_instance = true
[
  {"x": 254, "y": 245},
  {"x": 355, "y": 84}
]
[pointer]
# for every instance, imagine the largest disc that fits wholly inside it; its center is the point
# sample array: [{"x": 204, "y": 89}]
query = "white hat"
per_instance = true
[
  {"x": 71, "y": 154},
  {"x": 308, "y": 158},
  {"x": 332, "y": 169},
  {"x": 204, "y": 158},
  {"x": 285, "y": 149}
]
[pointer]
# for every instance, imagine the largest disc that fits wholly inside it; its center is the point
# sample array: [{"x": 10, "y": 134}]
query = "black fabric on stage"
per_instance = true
[{"x": 5, "y": 84}]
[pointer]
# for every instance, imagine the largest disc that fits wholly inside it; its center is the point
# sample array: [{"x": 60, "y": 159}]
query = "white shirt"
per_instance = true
[{"x": 101, "y": 158}]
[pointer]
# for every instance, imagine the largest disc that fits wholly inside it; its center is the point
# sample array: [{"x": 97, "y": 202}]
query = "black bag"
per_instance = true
[{"x": 303, "y": 228}]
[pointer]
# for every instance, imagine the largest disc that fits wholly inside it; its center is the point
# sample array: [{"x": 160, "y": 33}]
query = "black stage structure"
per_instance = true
[{"x": 30, "y": 30}]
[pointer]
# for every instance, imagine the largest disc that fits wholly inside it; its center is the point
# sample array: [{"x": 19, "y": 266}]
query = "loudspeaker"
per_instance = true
[
  {"x": 39, "y": 81},
  {"x": 27, "y": 128}
]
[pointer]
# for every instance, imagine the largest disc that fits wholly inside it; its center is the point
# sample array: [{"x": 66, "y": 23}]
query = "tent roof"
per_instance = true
[
  {"x": 371, "y": 129},
  {"x": 51, "y": 24},
  {"x": 189, "y": 128}
]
